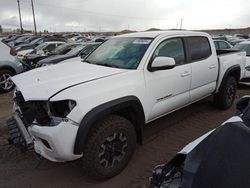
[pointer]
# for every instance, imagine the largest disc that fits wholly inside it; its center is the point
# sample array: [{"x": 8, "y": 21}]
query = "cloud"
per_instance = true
[{"x": 116, "y": 15}]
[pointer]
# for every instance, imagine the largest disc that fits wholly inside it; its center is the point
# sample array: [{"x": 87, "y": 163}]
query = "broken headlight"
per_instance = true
[{"x": 61, "y": 108}]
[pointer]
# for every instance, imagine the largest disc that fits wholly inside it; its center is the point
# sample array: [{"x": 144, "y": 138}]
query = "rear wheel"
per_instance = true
[
  {"x": 109, "y": 147},
  {"x": 6, "y": 84},
  {"x": 225, "y": 98}
]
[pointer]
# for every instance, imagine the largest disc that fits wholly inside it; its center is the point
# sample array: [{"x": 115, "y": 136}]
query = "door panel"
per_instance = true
[
  {"x": 168, "y": 90},
  {"x": 204, "y": 68}
]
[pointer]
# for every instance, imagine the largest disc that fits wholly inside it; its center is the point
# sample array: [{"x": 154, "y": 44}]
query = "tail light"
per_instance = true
[{"x": 13, "y": 51}]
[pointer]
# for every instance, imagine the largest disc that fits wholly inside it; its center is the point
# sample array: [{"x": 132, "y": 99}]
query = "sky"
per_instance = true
[{"x": 117, "y": 15}]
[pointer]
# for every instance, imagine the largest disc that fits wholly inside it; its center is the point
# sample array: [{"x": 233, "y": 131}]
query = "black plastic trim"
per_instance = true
[
  {"x": 105, "y": 109},
  {"x": 232, "y": 69}
]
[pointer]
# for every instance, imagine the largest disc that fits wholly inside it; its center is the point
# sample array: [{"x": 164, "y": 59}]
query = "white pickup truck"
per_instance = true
[{"x": 96, "y": 109}]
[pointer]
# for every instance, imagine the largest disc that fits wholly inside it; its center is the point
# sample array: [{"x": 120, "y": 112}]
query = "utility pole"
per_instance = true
[
  {"x": 181, "y": 24},
  {"x": 33, "y": 16},
  {"x": 20, "y": 17}
]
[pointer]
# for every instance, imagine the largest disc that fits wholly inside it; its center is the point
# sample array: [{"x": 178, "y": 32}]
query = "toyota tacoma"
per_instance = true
[{"x": 95, "y": 109}]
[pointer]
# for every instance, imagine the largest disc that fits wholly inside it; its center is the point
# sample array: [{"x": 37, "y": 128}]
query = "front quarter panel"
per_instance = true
[
  {"x": 92, "y": 94},
  {"x": 14, "y": 64}
]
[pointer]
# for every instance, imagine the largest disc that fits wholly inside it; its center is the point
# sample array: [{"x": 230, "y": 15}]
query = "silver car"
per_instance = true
[{"x": 9, "y": 66}]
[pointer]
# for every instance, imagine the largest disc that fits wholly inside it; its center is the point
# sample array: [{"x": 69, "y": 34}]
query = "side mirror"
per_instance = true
[
  {"x": 243, "y": 103},
  {"x": 162, "y": 63}
]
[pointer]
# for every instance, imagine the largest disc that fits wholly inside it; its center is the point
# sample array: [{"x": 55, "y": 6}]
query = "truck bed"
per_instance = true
[
  {"x": 227, "y": 51},
  {"x": 229, "y": 58}
]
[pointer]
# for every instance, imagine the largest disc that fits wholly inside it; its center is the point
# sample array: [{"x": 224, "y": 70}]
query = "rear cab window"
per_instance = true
[{"x": 199, "y": 48}]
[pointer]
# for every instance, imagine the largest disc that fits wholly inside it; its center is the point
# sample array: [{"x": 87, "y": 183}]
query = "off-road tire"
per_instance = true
[
  {"x": 7, "y": 72},
  {"x": 104, "y": 129},
  {"x": 226, "y": 95}
]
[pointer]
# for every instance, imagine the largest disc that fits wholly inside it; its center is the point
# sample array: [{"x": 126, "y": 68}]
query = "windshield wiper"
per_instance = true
[
  {"x": 107, "y": 65},
  {"x": 86, "y": 61}
]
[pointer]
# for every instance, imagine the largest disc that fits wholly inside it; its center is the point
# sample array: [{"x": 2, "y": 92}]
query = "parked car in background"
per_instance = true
[
  {"x": 95, "y": 109},
  {"x": 28, "y": 40},
  {"x": 40, "y": 52},
  {"x": 9, "y": 66},
  {"x": 217, "y": 159},
  {"x": 19, "y": 40},
  {"x": 35, "y": 43},
  {"x": 100, "y": 39},
  {"x": 236, "y": 41},
  {"x": 222, "y": 45},
  {"x": 245, "y": 46},
  {"x": 8, "y": 37},
  {"x": 80, "y": 50},
  {"x": 83, "y": 39},
  {"x": 11, "y": 38},
  {"x": 63, "y": 49},
  {"x": 46, "y": 46}
]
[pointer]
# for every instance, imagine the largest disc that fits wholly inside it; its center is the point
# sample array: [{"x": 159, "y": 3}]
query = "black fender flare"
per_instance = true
[
  {"x": 235, "y": 68},
  {"x": 105, "y": 109}
]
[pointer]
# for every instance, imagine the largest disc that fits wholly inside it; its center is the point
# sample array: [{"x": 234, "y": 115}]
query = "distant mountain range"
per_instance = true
[{"x": 210, "y": 31}]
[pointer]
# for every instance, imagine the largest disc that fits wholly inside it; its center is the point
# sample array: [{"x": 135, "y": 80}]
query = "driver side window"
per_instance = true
[{"x": 171, "y": 48}]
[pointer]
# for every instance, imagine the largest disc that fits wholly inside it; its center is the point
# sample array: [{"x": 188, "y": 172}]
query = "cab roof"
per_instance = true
[{"x": 154, "y": 34}]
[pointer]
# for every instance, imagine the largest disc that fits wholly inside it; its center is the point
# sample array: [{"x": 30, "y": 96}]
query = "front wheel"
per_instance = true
[
  {"x": 109, "y": 147},
  {"x": 225, "y": 98}
]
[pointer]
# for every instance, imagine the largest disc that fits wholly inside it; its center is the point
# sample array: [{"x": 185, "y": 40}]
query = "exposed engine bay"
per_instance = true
[{"x": 42, "y": 113}]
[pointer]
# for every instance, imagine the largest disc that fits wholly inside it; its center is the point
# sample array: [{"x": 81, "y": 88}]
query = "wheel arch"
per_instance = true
[
  {"x": 234, "y": 71},
  {"x": 129, "y": 107},
  {"x": 6, "y": 67}
]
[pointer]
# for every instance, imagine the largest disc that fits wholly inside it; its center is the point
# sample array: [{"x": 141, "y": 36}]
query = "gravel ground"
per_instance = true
[{"x": 162, "y": 139}]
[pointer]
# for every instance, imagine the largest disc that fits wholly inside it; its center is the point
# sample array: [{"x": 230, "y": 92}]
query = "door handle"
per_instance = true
[
  {"x": 212, "y": 66},
  {"x": 186, "y": 73}
]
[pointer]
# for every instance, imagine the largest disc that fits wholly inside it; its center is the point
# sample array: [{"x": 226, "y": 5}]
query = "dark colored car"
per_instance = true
[
  {"x": 82, "y": 50},
  {"x": 35, "y": 43},
  {"x": 12, "y": 38},
  {"x": 19, "y": 41},
  {"x": 217, "y": 159},
  {"x": 27, "y": 40},
  {"x": 100, "y": 39}
]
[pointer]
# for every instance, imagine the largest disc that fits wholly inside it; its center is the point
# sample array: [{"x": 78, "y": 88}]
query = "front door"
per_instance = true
[{"x": 168, "y": 90}]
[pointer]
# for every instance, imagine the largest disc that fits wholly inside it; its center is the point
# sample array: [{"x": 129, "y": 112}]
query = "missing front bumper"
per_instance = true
[{"x": 19, "y": 136}]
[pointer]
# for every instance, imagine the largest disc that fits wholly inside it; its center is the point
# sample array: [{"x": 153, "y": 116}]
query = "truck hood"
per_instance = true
[
  {"x": 44, "y": 82},
  {"x": 56, "y": 59}
]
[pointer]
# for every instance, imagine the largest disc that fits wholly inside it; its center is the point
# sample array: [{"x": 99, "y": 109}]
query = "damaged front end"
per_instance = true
[{"x": 35, "y": 113}]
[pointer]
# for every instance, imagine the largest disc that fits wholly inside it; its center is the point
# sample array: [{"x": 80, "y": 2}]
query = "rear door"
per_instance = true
[{"x": 204, "y": 67}]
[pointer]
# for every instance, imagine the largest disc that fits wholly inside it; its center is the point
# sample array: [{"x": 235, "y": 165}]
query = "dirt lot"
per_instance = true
[{"x": 162, "y": 139}]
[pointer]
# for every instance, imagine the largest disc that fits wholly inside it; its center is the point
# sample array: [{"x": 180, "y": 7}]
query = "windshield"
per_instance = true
[
  {"x": 123, "y": 53},
  {"x": 21, "y": 39},
  {"x": 40, "y": 46},
  {"x": 243, "y": 47},
  {"x": 76, "y": 50},
  {"x": 35, "y": 41},
  {"x": 60, "y": 49}
]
